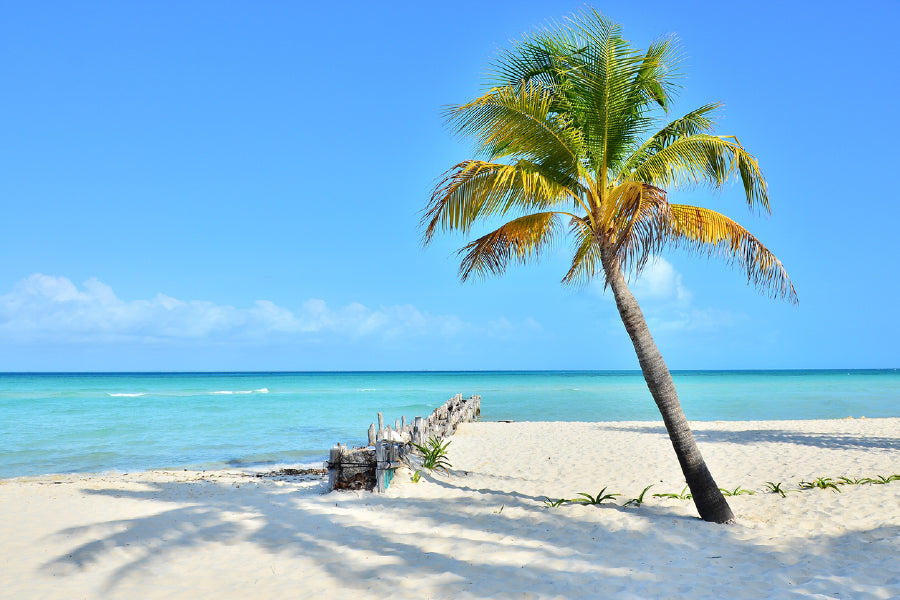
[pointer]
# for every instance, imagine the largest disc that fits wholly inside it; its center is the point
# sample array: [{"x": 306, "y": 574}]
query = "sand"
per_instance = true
[{"x": 483, "y": 531}]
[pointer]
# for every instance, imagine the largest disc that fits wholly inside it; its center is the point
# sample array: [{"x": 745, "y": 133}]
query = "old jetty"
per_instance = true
[{"x": 372, "y": 467}]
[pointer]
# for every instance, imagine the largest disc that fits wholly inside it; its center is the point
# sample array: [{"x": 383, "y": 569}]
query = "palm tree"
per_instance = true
[{"x": 569, "y": 143}]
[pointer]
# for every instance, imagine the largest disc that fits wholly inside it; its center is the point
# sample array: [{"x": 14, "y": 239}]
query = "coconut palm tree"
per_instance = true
[{"x": 569, "y": 142}]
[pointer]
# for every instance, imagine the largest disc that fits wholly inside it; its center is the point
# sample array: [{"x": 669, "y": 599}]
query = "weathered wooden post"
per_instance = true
[
  {"x": 372, "y": 434},
  {"x": 380, "y": 421},
  {"x": 379, "y": 466},
  {"x": 334, "y": 466},
  {"x": 418, "y": 431}
]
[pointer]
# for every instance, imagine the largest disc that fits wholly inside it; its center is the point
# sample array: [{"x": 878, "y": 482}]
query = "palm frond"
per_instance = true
[
  {"x": 655, "y": 79},
  {"x": 693, "y": 123},
  {"x": 613, "y": 88},
  {"x": 638, "y": 228},
  {"x": 703, "y": 158},
  {"x": 519, "y": 122},
  {"x": 521, "y": 239},
  {"x": 476, "y": 189},
  {"x": 708, "y": 232},
  {"x": 587, "y": 259},
  {"x": 529, "y": 61}
]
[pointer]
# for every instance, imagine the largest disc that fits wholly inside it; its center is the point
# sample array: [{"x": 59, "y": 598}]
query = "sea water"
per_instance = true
[{"x": 91, "y": 422}]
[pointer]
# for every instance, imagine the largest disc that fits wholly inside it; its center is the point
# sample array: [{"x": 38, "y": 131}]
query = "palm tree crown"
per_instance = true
[{"x": 567, "y": 141}]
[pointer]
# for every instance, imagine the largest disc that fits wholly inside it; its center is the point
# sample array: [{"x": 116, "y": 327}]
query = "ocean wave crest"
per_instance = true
[
  {"x": 125, "y": 395},
  {"x": 230, "y": 392}
]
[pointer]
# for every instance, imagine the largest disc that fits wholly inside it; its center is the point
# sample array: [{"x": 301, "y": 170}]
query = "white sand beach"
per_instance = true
[{"x": 484, "y": 531}]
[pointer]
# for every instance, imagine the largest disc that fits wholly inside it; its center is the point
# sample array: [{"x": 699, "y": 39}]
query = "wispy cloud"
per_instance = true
[
  {"x": 660, "y": 282},
  {"x": 48, "y": 308},
  {"x": 668, "y": 305}
]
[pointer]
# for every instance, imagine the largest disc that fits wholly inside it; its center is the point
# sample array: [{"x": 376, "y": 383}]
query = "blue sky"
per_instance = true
[{"x": 237, "y": 186}]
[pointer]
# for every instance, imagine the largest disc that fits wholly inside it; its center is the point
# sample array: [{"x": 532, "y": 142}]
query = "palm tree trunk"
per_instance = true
[{"x": 710, "y": 502}]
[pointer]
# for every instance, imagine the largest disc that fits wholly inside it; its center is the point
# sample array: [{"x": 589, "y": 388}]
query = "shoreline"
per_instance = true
[
  {"x": 484, "y": 531},
  {"x": 253, "y": 468}
]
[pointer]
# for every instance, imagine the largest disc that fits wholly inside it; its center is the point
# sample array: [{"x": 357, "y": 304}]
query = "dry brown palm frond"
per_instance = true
[
  {"x": 638, "y": 229},
  {"x": 520, "y": 239},
  {"x": 708, "y": 232}
]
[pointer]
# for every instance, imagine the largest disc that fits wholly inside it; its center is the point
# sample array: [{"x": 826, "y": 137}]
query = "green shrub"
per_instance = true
[{"x": 434, "y": 454}]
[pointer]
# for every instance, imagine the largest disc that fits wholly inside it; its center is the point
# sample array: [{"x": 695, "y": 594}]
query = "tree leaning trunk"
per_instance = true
[{"x": 710, "y": 502}]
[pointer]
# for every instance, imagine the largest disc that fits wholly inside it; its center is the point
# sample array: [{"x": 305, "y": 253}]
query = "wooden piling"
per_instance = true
[
  {"x": 419, "y": 431},
  {"x": 334, "y": 466},
  {"x": 380, "y": 486}
]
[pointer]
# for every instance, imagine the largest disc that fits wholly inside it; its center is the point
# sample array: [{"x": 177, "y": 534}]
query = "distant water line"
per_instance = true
[{"x": 88, "y": 422}]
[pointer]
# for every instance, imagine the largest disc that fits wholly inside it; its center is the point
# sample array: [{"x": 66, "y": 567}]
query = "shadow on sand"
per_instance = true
[
  {"x": 461, "y": 546},
  {"x": 781, "y": 436}
]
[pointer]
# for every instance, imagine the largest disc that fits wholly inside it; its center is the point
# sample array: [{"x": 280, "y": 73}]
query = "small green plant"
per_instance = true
[
  {"x": 598, "y": 499},
  {"x": 775, "y": 488},
  {"x": 823, "y": 483},
  {"x": 850, "y": 481},
  {"x": 550, "y": 503},
  {"x": 434, "y": 454},
  {"x": 684, "y": 495},
  {"x": 497, "y": 512},
  {"x": 640, "y": 499},
  {"x": 417, "y": 476},
  {"x": 736, "y": 491},
  {"x": 880, "y": 479}
]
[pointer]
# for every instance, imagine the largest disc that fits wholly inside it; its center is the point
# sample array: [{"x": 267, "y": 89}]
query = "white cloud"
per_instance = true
[
  {"x": 693, "y": 319},
  {"x": 47, "y": 308},
  {"x": 503, "y": 328},
  {"x": 660, "y": 282},
  {"x": 668, "y": 304}
]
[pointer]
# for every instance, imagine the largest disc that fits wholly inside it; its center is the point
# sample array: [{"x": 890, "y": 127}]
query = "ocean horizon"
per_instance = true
[{"x": 65, "y": 422}]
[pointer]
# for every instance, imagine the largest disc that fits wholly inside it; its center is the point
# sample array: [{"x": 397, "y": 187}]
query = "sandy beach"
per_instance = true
[{"x": 484, "y": 531}]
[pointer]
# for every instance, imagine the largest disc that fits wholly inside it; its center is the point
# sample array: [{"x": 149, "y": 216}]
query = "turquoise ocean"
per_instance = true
[{"x": 98, "y": 422}]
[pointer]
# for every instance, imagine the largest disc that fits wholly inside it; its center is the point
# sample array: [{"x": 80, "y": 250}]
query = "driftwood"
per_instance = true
[{"x": 372, "y": 467}]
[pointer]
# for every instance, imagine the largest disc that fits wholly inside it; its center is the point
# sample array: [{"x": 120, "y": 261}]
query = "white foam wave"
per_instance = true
[
  {"x": 230, "y": 392},
  {"x": 124, "y": 395}
]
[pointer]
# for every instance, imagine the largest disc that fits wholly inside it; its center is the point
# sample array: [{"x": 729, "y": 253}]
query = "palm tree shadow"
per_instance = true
[
  {"x": 834, "y": 441},
  {"x": 461, "y": 535}
]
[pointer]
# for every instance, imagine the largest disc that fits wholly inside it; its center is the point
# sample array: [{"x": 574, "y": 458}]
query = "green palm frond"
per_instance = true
[
  {"x": 614, "y": 89},
  {"x": 703, "y": 158},
  {"x": 510, "y": 122},
  {"x": 709, "y": 232},
  {"x": 476, "y": 189},
  {"x": 520, "y": 239},
  {"x": 587, "y": 260},
  {"x": 655, "y": 80},
  {"x": 693, "y": 123},
  {"x": 529, "y": 61}
]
